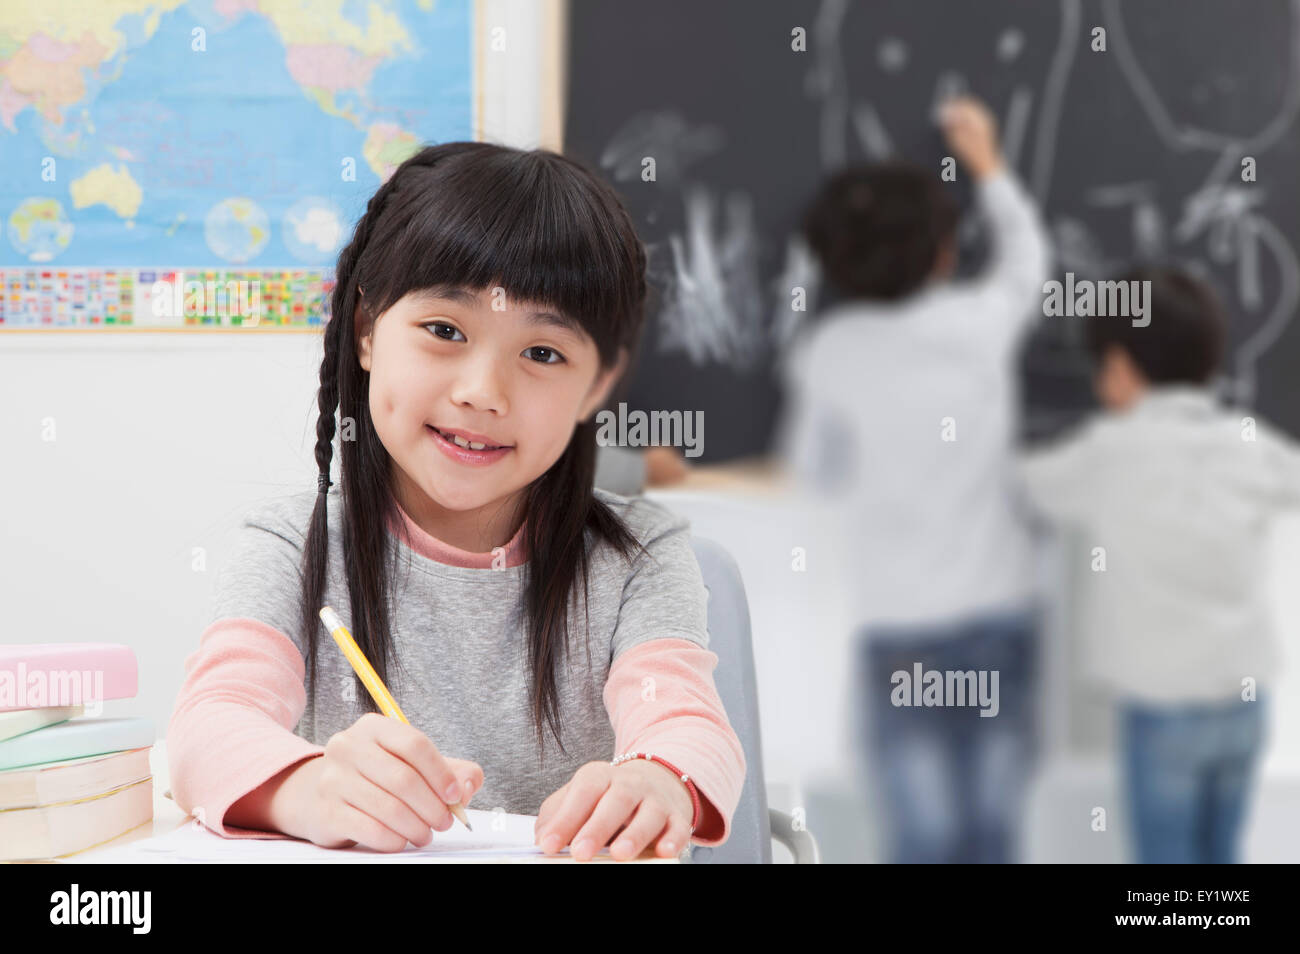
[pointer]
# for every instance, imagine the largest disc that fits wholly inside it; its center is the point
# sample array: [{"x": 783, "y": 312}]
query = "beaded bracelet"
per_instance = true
[{"x": 690, "y": 786}]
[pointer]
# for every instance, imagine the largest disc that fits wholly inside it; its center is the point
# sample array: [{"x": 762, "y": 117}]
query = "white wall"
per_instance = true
[{"x": 160, "y": 443}]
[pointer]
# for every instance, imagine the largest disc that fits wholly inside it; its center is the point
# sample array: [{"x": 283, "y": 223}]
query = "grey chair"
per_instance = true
[{"x": 754, "y": 825}]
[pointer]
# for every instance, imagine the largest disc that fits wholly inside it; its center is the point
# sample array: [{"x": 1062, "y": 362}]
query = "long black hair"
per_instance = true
[{"x": 546, "y": 229}]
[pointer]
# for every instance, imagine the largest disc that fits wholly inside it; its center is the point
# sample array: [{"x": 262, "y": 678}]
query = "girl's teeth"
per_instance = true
[{"x": 472, "y": 445}]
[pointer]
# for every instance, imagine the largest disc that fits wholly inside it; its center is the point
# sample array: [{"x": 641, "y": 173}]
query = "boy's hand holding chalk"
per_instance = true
[{"x": 971, "y": 132}]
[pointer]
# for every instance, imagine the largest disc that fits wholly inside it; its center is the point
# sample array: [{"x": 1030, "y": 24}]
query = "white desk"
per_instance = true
[{"x": 168, "y": 816}]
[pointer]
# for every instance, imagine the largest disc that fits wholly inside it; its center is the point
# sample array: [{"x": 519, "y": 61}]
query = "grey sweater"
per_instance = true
[{"x": 458, "y": 666}]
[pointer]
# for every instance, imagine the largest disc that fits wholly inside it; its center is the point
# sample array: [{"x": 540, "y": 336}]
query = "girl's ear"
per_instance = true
[
  {"x": 602, "y": 386},
  {"x": 363, "y": 349},
  {"x": 363, "y": 340}
]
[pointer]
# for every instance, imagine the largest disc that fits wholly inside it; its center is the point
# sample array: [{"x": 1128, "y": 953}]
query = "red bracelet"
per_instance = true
[{"x": 690, "y": 786}]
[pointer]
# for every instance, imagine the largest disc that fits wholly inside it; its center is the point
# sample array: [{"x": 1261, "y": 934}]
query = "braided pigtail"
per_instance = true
[{"x": 339, "y": 352}]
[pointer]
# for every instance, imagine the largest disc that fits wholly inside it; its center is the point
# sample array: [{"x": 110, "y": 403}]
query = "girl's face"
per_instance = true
[{"x": 514, "y": 375}]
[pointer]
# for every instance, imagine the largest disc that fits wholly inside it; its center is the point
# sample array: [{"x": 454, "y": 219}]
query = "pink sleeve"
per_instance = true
[
  {"x": 683, "y": 721},
  {"x": 231, "y": 728}
]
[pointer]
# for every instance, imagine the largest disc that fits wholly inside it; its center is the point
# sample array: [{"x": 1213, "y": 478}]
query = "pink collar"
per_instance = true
[{"x": 430, "y": 547}]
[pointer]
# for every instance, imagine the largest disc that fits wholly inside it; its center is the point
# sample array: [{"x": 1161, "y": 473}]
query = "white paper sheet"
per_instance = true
[{"x": 497, "y": 836}]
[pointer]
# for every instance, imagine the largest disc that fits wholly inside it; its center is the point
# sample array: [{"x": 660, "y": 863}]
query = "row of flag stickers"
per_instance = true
[{"x": 101, "y": 297}]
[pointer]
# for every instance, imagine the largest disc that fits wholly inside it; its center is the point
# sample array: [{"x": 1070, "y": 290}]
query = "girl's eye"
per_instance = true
[
  {"x": 441, "y": 324},
  {"x": 550, "y": 351}
]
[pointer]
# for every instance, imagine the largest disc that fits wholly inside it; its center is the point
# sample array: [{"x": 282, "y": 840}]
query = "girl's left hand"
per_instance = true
[{"x": 642, "y": 799}]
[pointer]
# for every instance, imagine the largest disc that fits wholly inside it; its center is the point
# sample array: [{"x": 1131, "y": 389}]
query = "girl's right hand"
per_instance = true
[{"x": 380, "y": 784}]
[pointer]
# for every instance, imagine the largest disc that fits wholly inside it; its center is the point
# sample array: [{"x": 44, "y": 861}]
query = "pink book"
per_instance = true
[{"x": 38, "y": 675}]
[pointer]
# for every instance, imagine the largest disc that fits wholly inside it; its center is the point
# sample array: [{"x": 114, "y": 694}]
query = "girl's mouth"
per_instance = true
[{"x": 466, "y": 455}]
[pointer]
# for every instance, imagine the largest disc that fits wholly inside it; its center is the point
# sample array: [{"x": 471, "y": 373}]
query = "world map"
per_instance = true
[{"x": 215, "y": 133}]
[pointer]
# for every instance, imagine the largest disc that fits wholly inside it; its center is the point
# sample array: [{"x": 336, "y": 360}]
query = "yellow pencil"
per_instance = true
[{"x": 382, "y": 696}]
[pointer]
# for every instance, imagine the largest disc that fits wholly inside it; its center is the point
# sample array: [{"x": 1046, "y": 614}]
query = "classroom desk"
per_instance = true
[
  {"x": 754, "y": 477},
  {"x": 168, "y": 816}
]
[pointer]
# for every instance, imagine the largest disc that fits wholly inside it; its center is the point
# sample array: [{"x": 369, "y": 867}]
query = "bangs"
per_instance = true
[{"x": 528, "y": 222}]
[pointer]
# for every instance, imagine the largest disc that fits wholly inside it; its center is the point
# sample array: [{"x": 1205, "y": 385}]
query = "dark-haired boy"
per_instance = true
[
  {"x": 903, "y": 417},
  {"x": 1174, "y": 496}
]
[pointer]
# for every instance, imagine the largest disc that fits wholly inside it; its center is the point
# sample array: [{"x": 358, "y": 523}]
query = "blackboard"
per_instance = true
[{"x": 1133, "y": 152}]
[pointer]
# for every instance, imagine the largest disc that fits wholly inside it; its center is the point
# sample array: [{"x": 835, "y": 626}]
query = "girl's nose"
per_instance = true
[{"x": 480, "y": 384}]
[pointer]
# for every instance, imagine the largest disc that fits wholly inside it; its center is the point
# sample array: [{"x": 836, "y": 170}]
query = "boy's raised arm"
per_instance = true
[{"x": 1021, "y": 252}]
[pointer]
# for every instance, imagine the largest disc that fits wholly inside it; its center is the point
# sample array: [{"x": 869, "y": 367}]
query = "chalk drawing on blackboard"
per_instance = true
[
  {"x": 828, "y": 80},
  {"x": 1010, "y": 43},
  {"x": 667, "y": 136},
  {"x": 707, "y": 280},
  {"x": 1227, "y": 212},
  {"x": 1248, "y": 280},
  {"x": 871, "y": 130},
  {"x": 712, "y": 308},
  {"x": 892, "y": 54},
  {"x": 1016, "y": 124},
  {"x": 1182, "y": 136},
  {"x": 1148, "y": 230},
  {"x": 1256, "y": 346},
  {"x": 1058, "y": 77},
  {"x": 1219, "y": 211},
  {"x": 1147, "y": 223},
  {"x": 1077, "y": 249},
  {"x": 1234, "y": 232}
]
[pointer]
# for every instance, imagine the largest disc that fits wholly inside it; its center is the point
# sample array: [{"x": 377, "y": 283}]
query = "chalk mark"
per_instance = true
[
  {"x": 1186, "y": 137},
  {"x": 1053, "y": 98}
]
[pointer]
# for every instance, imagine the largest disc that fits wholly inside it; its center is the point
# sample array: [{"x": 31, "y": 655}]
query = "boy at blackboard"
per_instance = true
[
  {"x": 903, "y": 412},
  {"x": 1174, "y": 496}
]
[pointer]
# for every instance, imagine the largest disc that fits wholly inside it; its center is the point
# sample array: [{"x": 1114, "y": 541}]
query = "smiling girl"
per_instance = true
[{"x": 547, "y": 640}]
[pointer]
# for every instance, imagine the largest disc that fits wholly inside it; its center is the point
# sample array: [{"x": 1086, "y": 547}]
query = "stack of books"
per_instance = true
[{"x": 70, "y": 779}]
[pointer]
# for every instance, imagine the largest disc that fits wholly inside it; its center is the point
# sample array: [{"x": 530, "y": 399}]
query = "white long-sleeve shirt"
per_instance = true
[
  {"x": 1179, "y": 503},
  {"x": 929, "y": 529}
]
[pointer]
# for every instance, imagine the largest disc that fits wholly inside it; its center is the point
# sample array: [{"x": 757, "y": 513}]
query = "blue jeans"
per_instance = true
[
  {"x": 1188, "y": 774},
  {"x": 951, "y": 781}
]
